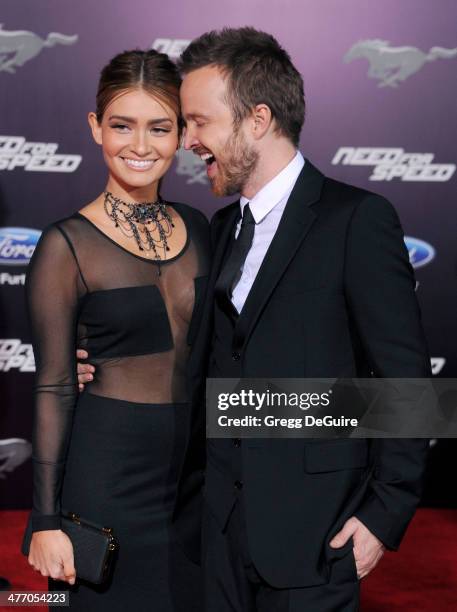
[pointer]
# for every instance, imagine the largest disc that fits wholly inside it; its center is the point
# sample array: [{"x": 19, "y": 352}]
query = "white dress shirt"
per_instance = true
[{"x": 267, "y": 207}]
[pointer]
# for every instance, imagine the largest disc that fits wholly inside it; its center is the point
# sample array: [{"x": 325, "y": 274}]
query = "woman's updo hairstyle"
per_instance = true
[{"x": 149, "y": 70}]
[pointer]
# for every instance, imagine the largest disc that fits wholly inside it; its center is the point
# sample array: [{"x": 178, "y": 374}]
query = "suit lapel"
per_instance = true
[
  {"x": 221, "y": 232},
  {"x": 295, "y": 223},
  {"x": 221, "y": 235}
]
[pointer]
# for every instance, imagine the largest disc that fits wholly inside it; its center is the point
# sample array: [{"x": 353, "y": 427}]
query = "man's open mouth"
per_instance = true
[
  {"x": 211, "y": 163},
  {"x": 208, "y": 158}
]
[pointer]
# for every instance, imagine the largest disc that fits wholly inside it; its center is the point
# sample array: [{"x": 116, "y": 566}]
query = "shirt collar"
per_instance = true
[{"x": 274, "y": 191}]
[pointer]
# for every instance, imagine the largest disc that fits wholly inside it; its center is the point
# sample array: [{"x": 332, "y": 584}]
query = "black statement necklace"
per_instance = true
[{"x": 139, "y": 221}]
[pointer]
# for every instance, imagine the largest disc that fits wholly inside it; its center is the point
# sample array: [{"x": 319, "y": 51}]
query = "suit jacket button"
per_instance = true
[
  {"x": 236, "y": 356},
  {"x": 238, "y": 484},
  {"x": 236, "y": 442}
]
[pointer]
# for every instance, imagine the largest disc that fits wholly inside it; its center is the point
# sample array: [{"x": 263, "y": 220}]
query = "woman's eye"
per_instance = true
[
  {"x": 120, "y": 126},
  {"x": 161, "y": 130}
]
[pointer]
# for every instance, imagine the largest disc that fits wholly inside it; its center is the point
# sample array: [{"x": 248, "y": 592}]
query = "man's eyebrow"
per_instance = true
[
  {"x": 132, "y": 120},
  {"x": 193, "y": 116}
]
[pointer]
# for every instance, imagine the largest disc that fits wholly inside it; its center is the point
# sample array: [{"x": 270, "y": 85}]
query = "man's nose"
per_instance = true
[{"x": 189, "y": 138}]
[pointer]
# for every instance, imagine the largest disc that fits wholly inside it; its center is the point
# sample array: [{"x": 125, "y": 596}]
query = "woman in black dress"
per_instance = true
[{"x": 121, "y": 278}]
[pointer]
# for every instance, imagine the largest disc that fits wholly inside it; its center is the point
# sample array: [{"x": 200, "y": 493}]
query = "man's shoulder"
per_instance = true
[
  {"x": 356, "y": 203},
  {"x": 335, "y": 195},
  {"x": 340, "y": 193}
]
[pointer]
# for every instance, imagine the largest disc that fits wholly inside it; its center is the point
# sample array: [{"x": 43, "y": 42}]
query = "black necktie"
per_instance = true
[{"x": 231, "y": 272}]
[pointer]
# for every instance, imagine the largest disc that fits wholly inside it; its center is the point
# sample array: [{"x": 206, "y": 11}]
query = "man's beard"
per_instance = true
[{"x": 235, "y": 167}]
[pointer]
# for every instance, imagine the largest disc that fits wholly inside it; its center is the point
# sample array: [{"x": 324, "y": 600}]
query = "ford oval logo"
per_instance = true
[
  {"x": 17, "y": 245},
  {"x": 420, "y": 253}
]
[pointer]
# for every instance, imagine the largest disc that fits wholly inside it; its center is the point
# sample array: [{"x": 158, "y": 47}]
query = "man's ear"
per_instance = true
[
  {"x": 261, "y": 120},
  {"x": 95, "y": 127}
]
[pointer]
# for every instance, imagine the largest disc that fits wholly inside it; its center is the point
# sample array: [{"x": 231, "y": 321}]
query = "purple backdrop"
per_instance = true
[{"x": 393, "y": 96}]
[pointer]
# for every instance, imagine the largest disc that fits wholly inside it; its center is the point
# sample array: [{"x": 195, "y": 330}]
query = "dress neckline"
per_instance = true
[{"x": 145, "y": 259}]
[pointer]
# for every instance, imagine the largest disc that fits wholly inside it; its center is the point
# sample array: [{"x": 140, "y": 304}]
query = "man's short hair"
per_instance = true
[{"x": 259, "y": 71}]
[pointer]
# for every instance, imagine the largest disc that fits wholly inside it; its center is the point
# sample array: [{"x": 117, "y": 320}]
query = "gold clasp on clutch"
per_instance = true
[{"x": 74, "y": 517}]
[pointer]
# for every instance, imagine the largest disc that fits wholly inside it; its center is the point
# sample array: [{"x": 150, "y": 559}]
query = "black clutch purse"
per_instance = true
[{"x": 94, "y": 547}]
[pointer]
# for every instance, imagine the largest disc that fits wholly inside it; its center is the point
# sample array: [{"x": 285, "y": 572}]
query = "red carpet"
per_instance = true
[{"x": 422, "y": 577}]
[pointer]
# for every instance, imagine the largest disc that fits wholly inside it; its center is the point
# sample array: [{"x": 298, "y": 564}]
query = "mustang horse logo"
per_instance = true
[
  {"x": 20, "y": 46},
  {"x": 13, "y": 452},
  {"x": 391, "y": 65}
]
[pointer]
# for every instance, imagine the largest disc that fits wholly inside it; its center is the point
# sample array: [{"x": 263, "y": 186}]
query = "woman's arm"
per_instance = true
[{"x": 54, "y": 286}]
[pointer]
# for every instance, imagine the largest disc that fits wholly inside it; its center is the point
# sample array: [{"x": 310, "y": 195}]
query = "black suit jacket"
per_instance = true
[{"x": 334, "y": 297}]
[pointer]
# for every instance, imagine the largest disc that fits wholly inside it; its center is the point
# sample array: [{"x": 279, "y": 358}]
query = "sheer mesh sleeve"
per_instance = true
[{"x": 54, "y": 285}]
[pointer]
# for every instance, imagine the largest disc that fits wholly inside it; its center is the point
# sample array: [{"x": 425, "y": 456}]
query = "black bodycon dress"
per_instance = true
[{"x": 113, "y": 453}]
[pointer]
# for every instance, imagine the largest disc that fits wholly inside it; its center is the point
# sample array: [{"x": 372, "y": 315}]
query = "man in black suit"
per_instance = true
[{"x": 310, "y": 279}]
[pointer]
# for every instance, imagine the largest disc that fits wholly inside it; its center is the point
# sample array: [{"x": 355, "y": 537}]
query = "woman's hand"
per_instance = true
[{"x": 51, "y": 553}]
